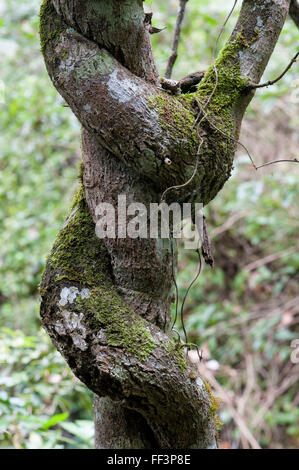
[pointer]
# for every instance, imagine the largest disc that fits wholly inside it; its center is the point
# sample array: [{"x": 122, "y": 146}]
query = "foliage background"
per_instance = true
[{"x": 243, "y": 314}]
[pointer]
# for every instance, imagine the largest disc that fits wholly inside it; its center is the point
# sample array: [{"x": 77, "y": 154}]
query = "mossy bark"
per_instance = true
[{"x": 106, "y": 303}]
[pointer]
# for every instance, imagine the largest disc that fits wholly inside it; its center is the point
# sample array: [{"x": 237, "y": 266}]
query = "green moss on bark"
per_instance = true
[
  {"x": 80, "y": 256},
  {"x": 76, "y": 243},
  {"x": 230, "y": 84},
  {"x": 221, "y": 104},
  {"x": 123, "y": 327},
  {"x": 215, "y": 405},
  {"x": 176, "y": 355},
  {"x": 50, "y": 24},
  {"x": 176, "y": 118}
]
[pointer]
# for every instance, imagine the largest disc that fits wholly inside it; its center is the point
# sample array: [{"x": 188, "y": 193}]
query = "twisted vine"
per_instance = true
[{"x": 105, "y": 303}]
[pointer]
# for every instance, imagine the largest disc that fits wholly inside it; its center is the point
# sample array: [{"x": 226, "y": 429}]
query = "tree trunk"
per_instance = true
[{"x": 106, "y": 303}]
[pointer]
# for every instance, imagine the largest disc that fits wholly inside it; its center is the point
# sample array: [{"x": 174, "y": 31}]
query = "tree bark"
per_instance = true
[
  {"x": 294, "y": 12},
  {"x": 106, "y": 303}
]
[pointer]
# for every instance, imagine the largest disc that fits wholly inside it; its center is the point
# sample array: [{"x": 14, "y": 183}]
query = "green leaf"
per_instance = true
[{"x": 54, "y": 420}]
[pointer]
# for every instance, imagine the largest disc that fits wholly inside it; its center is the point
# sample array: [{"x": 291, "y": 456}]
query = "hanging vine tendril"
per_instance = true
[{"x": 199, "y": 134}]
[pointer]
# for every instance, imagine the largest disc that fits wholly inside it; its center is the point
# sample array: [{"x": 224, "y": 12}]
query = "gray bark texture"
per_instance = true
[{"x": 106, "y": 303}]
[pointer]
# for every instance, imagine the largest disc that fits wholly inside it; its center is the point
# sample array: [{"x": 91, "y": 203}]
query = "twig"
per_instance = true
[
  {"x": 228, "y": 223},
  {"x": 202, "y": 109},
  {"x": 176, "y": 38},
  {"x": 188, "y": 84},
  {"x": 206, "y": 247},
  {"x": 271, "y": 82},
  {"x": 269, "y": 259},
  {"x": 292, "y": 160}
]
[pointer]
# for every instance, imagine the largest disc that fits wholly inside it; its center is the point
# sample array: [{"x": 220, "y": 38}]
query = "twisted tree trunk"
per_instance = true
[{"x": 106, "y": 303}]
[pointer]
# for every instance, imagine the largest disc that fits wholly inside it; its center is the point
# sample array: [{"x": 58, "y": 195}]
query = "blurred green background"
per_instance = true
[{"x": 243, "y": 314}]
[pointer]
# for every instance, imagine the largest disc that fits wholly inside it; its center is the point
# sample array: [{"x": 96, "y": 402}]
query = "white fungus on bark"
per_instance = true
[{"x": 69, "y": 294}]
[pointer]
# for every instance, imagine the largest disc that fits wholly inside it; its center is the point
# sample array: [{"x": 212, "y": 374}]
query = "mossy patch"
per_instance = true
[
  {"x": 216, "y": 108},
  {"x": 50, "y": 24},
  {"x": 176, "y": 354},
  {"x": 123, "y": 327},
  {"x": 215, "y": 405},
  {"x": 80, "y": 256},
  {"x": 230, "y": 85},
  {"x": 76, "y": 243},
  {"x": 175, "y": 117},
  {"x": 229, "y": 81}
]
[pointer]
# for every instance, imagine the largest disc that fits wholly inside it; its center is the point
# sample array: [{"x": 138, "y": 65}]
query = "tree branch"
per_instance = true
[
  {"x": 176, "y": 38},
  {"x": 270, "y": 258},
  {"x": 259, "y": 29},
  {"x": 158, "y": 126}
]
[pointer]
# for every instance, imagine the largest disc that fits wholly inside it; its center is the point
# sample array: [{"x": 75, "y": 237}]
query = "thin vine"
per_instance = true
[{"x": 200, "y": 135}]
